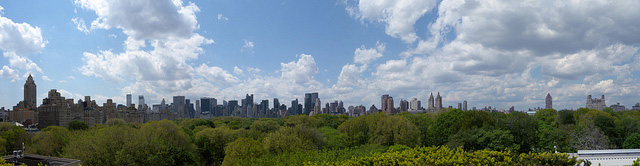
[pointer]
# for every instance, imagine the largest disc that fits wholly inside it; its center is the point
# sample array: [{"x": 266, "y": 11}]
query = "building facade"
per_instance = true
[{"x": 597, "y": 104}]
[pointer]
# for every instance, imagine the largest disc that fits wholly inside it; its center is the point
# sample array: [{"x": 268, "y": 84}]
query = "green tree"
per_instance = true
[
  {"x": 524, "y": 129},
  {"x": 444, "y": 127},
  {"x": 304, "y": 120},
  {"x": 14, "y": 136},
  {"x": 356, "y": 129},
  {"x": 396, "y": 130},
  {"x": 474, "y": 119},
  {"x": 265, "y": 126},
  {"x": 632, "y": 142},
  {"x": 332, "y": 121},
  {"x": 242, "y": 148},
  {"x": 546, "y": 115},
  {"x": 50, "y": 141},
  {"x": 423, "y": 122},
  {"x": 77, "y": 125},
  {"x": 115, "y": 122},
  {"x": 211, "y": 143},
  {"x": 565, "y": 117},
  {"x": 333, "y": 138},
  {"x": 298, "y": 138},
  {"x": 549, "y": 136}
]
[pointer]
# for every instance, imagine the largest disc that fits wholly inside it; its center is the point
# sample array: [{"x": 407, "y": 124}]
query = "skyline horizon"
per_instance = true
[{"x": 496, "y": 53}]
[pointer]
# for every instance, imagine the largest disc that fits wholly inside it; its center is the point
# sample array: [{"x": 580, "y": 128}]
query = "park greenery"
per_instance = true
[{"x": 452, "y": 137}]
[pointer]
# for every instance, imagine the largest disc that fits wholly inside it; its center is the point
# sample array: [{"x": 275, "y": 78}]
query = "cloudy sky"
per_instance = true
[{"x": 497, "y": 53}]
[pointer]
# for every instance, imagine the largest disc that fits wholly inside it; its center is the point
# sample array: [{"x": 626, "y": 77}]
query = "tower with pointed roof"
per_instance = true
[
  {"x": 30, "y": 93},
  {"x": 548, "y": 102},
  {"x": 431, "y": 106},
  {"x": 438, "y": 102}
]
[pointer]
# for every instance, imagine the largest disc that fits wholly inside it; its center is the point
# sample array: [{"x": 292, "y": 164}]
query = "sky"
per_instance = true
[{"x": 498, "y": 53}]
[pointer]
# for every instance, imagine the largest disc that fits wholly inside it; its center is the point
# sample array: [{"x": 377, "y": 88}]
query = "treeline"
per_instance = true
[{"x": 337, "y": 140}]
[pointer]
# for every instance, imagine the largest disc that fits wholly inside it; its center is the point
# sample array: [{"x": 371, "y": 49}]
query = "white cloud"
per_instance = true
[
  {"x": 80, "y": 25},
  {"x": 237, "y": 70},
  {"x": 221, "y": 17},
  {"x": 365, "y": 55},
  {"x": 248, "y": 46},
  {"x": 216, "y": 74},
  {"x": 46, "y": 78},
  {"x": 6, "y": 71},
  {"x": 16, "y": 41},
  {"x": 398, "y": 15},
  {"x": 147, "y": 19},
  {"x": 302, "y": 72}
]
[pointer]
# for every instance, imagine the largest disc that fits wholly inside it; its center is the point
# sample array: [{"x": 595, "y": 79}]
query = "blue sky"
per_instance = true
[{"x": 489, "y": 52}]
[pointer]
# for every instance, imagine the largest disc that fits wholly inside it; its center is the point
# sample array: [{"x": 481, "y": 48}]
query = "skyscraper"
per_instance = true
[
  {"x": 548, "y": 102},
  {"x": 317, "y": 109},
  {"x": 460, "y": 106},
  {"x": 383, "y": 102},
  {"x": 141, "y": 102},
  {"x": 276, "y": 104},
  {"x": 128, "y": 100},
  {"x": 179, "y": 106},
  {"x": 415, "y": 105},
  {"x": 431, "y": 104},
  {"x": 30, "y": 93},
  {"x": 198, "y": 111},
  {"x": 438, "y": 102},
  {"x": 309, "y": 102},
  {"x": 464, "y": 105}
]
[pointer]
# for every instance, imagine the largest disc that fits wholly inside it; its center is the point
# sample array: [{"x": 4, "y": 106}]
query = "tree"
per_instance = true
[
  {"x": 265, "y": 126},
  {"x": 298, "y": 138},
  {"x": 77, "y": 125},
  {"x": 423, "y": 122},
  {"x": 480, "y": 139},
  {"x": 211, "y": 143},
  {"x": 356, "y": 129},
  {"x": 333, "y": 138},
  {"x": 632, "y": 142},
  {"x": 13, "y": 135},
  {"x": 332, "y": 121},
  {"x": 242, "y": 148},
  {"x": 524, "y": 129},
  {"x": 444, "y": 127},
  {"x": 396, "y": 130},
  {"x": 115, "y": 122},
  {"x": 565, "y": 117},
  {"x": 304, "y": 120},
  {"x": 474, "y": 119},
  {"x": 546, "y": 115},
  {"x": 50, "y": 141},
  {"x": 589, "y": 138},
  {"x": 549, "y": 136}
]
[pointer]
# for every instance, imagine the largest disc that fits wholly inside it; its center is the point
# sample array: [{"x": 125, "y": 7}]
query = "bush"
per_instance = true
[{"x": 77, "y": 125}]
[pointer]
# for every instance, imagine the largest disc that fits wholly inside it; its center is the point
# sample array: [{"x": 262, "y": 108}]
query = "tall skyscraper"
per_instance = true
[
  {"x": 460, "y": 106},
  {"x": 309, "y": 102},
  {"x": 431, "y": 103},
  {"x": 415, "y": 105},
  {"x": 464, "y": 105},
  {"x": 317, "y": 109},
  {"x": 438, "y": 102},
  {"x": 548, "y": 102},
  {"x": 198, "y": 111},
  {"x": 179, "y": 106},
  {"x": 384, "y": 103},
  {"x": 141, "y": 102},
  {"x": 276, "y": 104},
  {"x": 129, "y": 102},
  {"x": 30, "y": 93}
]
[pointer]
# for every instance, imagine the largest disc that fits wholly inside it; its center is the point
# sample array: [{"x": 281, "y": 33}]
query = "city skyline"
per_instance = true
[{"x": 350, "y": 51}]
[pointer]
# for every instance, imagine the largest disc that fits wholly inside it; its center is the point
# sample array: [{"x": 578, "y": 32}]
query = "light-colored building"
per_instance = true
[
  {"x": 608, "y": 157},
  {"x": 597, "y": 104},
  {"x": 618, "y": 107},
  {"x": 548, "y": 101},
  {"x": 415, "y": 105}
]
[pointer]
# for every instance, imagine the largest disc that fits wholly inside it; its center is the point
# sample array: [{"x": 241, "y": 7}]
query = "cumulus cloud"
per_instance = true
[
  {"x": 365, "y": 55},
  {"x": 247, "y": 46},
  {"x": 216, "y": 74},
  {"x": 7, "y": 72},
  {"x": 505, "y": 53},
  {"x": 16, "y": 41},
  {"x": 302, "y": 71},
  {"x": 237, "y": 70},
  {"x": 148, "y": 19},
  {"x": 399, "y": 16}
]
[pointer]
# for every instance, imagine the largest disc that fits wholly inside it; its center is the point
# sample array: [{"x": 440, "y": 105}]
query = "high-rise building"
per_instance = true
[
  {"x": 129, "y": 102},
  {"x": 198, "y": 107},
  {"x": 464, "y": 105},
  {"x": 232, "y": 108},
  {"x": 317, "y": 109},
  {"x": 460, "y": 106},
  {"x": 385, "y": 103},
  {"x": 415, "y": 105},
  {"x": 548, "y": 102},
  {"x": 431, "y": 103},
  {"x": 276, "y": 104},
  {"x": 438, "y": 104},
  {"x": 141, "y": 104},
  {"x": 404, "y": 106},
  {"x": 179, "y": 106},
  {"x": 30, "y": 93},
  {"x": 309, "y": 102},
  {"x": 597, "y": 104}
]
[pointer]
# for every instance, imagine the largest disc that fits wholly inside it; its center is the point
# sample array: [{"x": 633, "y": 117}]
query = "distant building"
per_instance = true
[
  {"x": 415, "y": 105},
  {"x": 464, "y": 105},
  {"x": 30, "y": 93},
  {"x": 309, "y": 102},
  {"x": 460, "y": 106},
  {"x": 548, "y": 102},
  {"x": 435, "y": 105},
  {"x": 597, "y": 104},
  {"x": 179, "y": 106},
  {"x": 636, "y": 107},
  {"x": 617, "y": 107},
  {"x": 404, "y": 106},
  {"x": 129, "y": 102}
]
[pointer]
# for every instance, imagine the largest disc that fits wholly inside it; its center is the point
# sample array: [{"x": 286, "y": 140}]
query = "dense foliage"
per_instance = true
[{"x": 452, "y": 137}]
